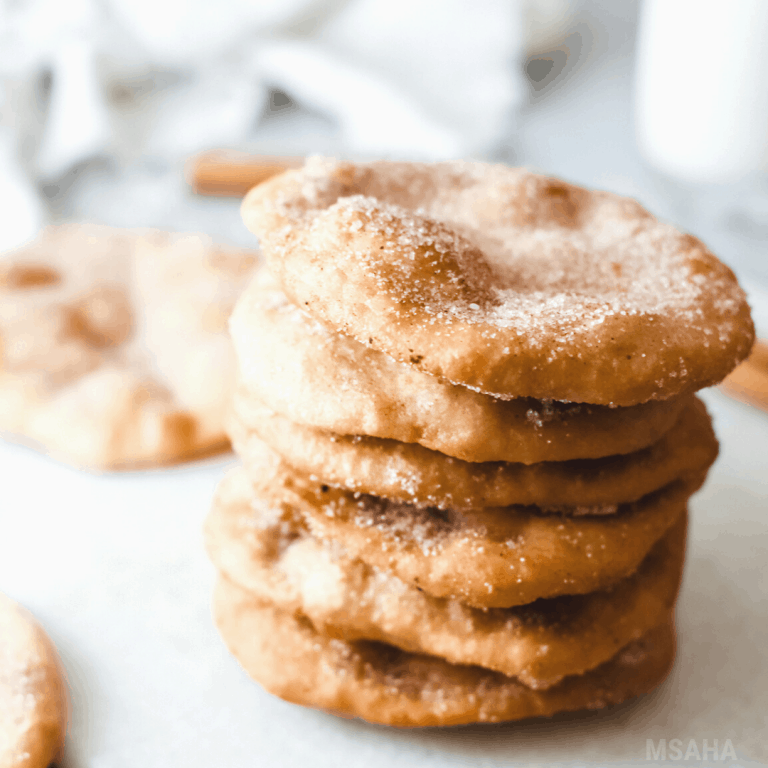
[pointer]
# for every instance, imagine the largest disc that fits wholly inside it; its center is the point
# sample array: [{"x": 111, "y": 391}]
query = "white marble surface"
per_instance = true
[
  {"x": 114, "y": 565},
  {"x": 114, "y": 568}
]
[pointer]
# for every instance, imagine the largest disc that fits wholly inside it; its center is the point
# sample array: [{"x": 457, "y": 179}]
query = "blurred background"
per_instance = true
[
  {"x": 102, "y": 105},
  {"x": 104, "y": 101}
]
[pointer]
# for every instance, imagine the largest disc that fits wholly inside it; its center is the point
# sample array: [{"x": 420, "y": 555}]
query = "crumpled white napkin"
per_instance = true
[
  {"x": 22, "y": 213},
  {"x": 432, "y": 79},
  {"x": 165, "y": 78}
]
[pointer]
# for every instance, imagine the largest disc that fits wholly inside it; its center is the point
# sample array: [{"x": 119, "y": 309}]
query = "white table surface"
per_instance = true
[
  {"x": 114, "y": 565},
  {"x": 114, "y": 568}
]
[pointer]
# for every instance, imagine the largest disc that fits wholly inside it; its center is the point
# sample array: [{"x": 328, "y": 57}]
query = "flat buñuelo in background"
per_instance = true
[
  {"x": 265, "y": 547},
  {"x": 114, "y": 345},
  {"x": 315, "y": 377},
  {"x": 414, "y": 474},
  {"x": 502, "y": 280},
  {"x": 384, "y": 684},
  {"x": 34, "y": 705},
  {"x": 488, "y": 558}
]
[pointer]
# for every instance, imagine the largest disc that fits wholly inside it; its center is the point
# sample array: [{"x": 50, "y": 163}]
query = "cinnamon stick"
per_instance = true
[
  {"x": 232, "y": 174},
  {"x": 749, "y": 381}
]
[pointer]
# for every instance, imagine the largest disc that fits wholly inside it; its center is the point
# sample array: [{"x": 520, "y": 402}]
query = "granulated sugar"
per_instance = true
[{"x": 504, "y": 248}]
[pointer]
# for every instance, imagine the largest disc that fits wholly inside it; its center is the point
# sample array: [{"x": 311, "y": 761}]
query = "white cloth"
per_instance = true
[{"x": 165, "y": 78}]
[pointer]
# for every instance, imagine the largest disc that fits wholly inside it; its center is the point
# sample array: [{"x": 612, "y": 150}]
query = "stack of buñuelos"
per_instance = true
[{"x": 468, "y": 437}]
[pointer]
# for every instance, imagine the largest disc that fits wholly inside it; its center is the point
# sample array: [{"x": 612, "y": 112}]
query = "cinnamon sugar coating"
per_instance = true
[
  {"x": 383, "y": 684},
  {"x": 469, "y": 434},
  {"x": 265, "y": 547},
  {"x": 317, "y": 378},
  {"x": 502, "y": 280},
  {"x": 496, "y": 557},
  {"x": 411, "y": 473}
]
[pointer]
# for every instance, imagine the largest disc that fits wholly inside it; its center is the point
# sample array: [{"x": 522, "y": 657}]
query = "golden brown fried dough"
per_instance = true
[
  {"x": 382, "y": 684},
  {"x": 267, "y": 549},
  {"x": 33, "y": 696},
  {"x": 326, "y": 380},
  {"x": 414, "y": 474},
  {"x": 504, "y": 280},
  {"x": 488, "y": 558}
]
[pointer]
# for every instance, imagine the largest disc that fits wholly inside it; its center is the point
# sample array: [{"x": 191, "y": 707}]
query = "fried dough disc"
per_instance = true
[
  {"x": 33, "y": 696},
  {"x": 267, "y": 549},
  {"x": 488, "y": 558},
  {"x": 414, "y": 474},
  {"x": 113, "y": 345},
  {"x": 187, "y": 286},
  {"x": 329, "y": 381},
  {"x": 500, "y": 279},
  {"x": 382, "y": 684}
]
